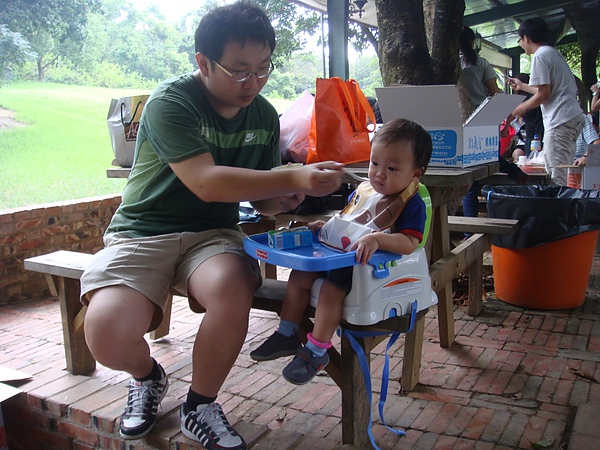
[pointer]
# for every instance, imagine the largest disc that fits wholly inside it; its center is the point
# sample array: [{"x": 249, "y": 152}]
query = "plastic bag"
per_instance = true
[
  {"x": 341, "y": 123},
  {"x": 294, "y": 124},
  {"x": 545, "y": 213},
  {"x": 123, "y": 120}
]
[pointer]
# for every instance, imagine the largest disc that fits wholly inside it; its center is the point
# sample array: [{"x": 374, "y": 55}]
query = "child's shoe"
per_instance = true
[{"x": 304, "y": 366}]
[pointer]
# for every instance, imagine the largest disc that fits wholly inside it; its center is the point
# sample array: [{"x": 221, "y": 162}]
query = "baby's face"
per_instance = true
[{"x": 392, "y": 167}]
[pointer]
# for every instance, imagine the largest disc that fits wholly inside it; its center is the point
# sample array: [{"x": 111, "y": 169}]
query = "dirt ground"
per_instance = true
[{"x": 7, "y": 119}]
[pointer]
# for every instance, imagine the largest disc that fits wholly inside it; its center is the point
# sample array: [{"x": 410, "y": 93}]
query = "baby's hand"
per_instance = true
[
  {"x": 316, "y": 225},
  {"x": 365, "y": 247}
]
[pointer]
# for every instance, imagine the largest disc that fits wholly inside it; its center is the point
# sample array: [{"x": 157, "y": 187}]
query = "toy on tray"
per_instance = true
[
  {"x": 293, "y": 238},
  {"x": 384, "y": 288}
]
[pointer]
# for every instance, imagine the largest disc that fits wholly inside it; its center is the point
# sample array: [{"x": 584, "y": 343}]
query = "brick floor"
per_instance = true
[{"x": 513, "y": 378}]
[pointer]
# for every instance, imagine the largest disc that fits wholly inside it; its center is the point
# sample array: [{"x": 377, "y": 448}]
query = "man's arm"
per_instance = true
[
  {"x": 541, "y": 94},
  {"x": 213, "y": 183},
  {"x": 595, "y": 105}
]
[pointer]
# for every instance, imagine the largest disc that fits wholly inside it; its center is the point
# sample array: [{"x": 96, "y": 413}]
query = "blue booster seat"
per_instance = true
[{"x": 386, "y": 287}]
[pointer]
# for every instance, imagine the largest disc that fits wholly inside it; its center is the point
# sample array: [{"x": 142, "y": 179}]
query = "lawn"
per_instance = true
[{"x": 63, "y": 149}]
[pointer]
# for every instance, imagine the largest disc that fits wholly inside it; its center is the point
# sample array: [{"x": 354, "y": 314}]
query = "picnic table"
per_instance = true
[{"x": 445, "y": 185}]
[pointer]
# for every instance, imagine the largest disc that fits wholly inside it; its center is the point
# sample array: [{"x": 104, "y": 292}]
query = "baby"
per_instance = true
[{"x": 389, "y": 208}]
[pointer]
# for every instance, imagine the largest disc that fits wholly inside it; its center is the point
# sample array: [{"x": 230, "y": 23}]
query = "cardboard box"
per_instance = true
[
  {"x": 455, "y": 144},
  {"x": 583, "y": 177},
  {"x": 591, "y": 178},
  {"x": 6, "y": 392},
  {"x": 593, "y": 156}
]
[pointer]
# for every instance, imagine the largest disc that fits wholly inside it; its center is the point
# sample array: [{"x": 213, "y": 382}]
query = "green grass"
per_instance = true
[{"x": 63, "y": 150}]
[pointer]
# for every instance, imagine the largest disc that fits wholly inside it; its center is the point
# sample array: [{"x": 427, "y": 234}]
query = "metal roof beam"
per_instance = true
[{"x": 516, "y": 9}]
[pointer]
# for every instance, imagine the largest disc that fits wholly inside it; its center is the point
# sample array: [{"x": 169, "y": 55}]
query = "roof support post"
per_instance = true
[{"x": 337, "y": 13}]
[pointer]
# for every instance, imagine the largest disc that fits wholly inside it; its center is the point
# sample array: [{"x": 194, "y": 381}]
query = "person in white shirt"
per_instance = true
[{"x": 554, "y": 90}]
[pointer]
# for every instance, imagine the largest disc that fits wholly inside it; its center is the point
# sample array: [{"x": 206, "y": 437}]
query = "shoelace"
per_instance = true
[
  {"x": 138, "y": 396},
  {"x": 215, "y": 419}
]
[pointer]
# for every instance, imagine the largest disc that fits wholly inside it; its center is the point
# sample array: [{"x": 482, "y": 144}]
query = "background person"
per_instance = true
[
  {"x": 206, "y": 141},
  {"x": 480, "y": 81},
  {"x": 532, "y": 120},
  {"x": 554, "y": 90}
]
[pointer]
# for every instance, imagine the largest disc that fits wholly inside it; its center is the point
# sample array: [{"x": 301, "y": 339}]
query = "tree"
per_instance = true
[
  {"x": 292, "y": 24},
  {"x": 53, "y": 28},
  {"x": 14, "y": 51},
  {"x": 418, "y": 42}
]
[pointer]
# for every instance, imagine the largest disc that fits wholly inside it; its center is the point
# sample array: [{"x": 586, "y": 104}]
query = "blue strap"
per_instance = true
[{"x": 351, "y": 335}]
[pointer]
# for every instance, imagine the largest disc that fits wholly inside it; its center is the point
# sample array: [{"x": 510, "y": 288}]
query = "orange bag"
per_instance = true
[{"x": 338, "y": 128}]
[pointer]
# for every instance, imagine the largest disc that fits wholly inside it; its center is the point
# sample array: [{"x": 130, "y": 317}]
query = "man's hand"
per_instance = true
[
  {"x": 289, "y": 202},
  {"x": 316, "y": 225},
  {"x": 319, "y": 179},
  {"x": 515, "y": 84}
]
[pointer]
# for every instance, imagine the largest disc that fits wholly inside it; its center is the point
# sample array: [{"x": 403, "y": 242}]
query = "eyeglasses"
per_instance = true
[
  {"x": 240, "y": 77},
  {"x": 519, "y": 40}
]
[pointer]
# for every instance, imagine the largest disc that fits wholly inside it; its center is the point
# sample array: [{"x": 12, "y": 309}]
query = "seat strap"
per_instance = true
[{"x": 351, "y": 335}]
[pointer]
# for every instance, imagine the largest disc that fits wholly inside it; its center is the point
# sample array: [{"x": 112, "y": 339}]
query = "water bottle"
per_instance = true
[{"x": 536, "y": 144}]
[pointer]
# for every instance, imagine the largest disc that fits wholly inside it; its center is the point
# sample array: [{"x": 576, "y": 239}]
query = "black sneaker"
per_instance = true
[
  {"x": 276, "y": 346},
  {"x": 304, "y": 366},
  {"x": 209, "y": 426},
  {"x": 142, "y": 405}
]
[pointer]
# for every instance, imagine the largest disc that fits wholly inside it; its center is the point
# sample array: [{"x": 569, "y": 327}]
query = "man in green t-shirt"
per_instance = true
[{"x": 207, "y": 140}]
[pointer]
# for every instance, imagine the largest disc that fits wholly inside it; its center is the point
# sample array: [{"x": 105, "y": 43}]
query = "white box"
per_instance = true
[
  {"x": 435, "y": 107},
  {"x": 593, "y": 156},
  {"x": 583, "y": 177},
  {"x": 6, "y": 392},
  {"x": 591, "y": 178}
]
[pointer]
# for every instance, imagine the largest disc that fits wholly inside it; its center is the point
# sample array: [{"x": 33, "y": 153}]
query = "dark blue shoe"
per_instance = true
[
  {"x": 276, "y": 346},
  {"x": 304, "y": 366}
]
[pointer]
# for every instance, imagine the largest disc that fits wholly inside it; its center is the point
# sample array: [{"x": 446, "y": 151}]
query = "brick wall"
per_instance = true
[{"x": 76, "y": 225}]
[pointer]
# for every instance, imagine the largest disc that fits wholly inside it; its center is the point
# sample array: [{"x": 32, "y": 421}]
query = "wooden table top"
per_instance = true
[
  {"x": 433, "y": 177},
  {"x": 443, "y": 176}
]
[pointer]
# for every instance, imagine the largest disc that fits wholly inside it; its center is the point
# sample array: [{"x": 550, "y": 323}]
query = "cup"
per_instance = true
[{"x": 522, "y": 159}]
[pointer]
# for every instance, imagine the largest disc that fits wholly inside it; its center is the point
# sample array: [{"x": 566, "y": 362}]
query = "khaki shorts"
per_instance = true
[{"x": 153, "y": 265}]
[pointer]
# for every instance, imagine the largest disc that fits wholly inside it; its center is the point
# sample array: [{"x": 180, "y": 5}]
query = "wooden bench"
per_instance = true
[
  {"x": 63, "y": 270},
  {"x": 468, "y": 255}
]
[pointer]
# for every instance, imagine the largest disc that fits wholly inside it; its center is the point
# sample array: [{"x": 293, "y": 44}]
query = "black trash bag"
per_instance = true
[{"x": 545, "y": 213}]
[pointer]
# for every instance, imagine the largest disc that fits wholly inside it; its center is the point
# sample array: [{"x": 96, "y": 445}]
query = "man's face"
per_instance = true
[
  {"x": 524, "y": 43},
  {"x": 228, "y": 96}
]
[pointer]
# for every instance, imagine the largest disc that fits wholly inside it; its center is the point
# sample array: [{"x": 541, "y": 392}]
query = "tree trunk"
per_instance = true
[
  {"x": 403, "y": 54},
  {"x": 408, "y": 30},
  {"x": 40, "y": 68},
  {"x": 585, "y": 18}
]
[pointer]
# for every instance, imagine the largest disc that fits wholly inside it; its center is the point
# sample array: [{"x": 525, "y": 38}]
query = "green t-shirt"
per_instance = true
[{"x": 178, "y": 123}]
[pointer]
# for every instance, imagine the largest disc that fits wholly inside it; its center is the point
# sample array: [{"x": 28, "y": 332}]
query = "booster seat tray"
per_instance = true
[{"x": 315, "y": 258}]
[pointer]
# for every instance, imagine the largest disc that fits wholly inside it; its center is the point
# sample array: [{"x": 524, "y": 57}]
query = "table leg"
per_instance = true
[
  {"x": 163, "y": 329},
  {"x": 355, "y": 406},
  {"x": 79, "y": 358},
  {"x": 440, "y": 248},
  {"x": 413, "y": 350}
]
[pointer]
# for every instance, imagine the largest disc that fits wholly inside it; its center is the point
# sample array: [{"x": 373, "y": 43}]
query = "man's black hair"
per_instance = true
[
  {"x": 239, "y": 22},
  {"x": 535, "y": 29}
]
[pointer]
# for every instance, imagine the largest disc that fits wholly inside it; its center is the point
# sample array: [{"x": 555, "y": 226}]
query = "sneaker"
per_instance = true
[
  {"x": 304, "y": 366},
  {"x": 142, "y": 405},
  {"x": 276, "y": 346},
  {"x": 209, "y": 426}
]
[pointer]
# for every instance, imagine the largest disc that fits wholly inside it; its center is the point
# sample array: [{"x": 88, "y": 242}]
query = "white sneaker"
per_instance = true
[
  {"x": 142, "y": 406},
  {"x": 209, "y": 426}
]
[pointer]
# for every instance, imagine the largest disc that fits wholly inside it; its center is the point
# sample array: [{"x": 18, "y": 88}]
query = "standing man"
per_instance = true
[
  {"x": 554, "y": 90},
  {"x": 207, "y": 140}
]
